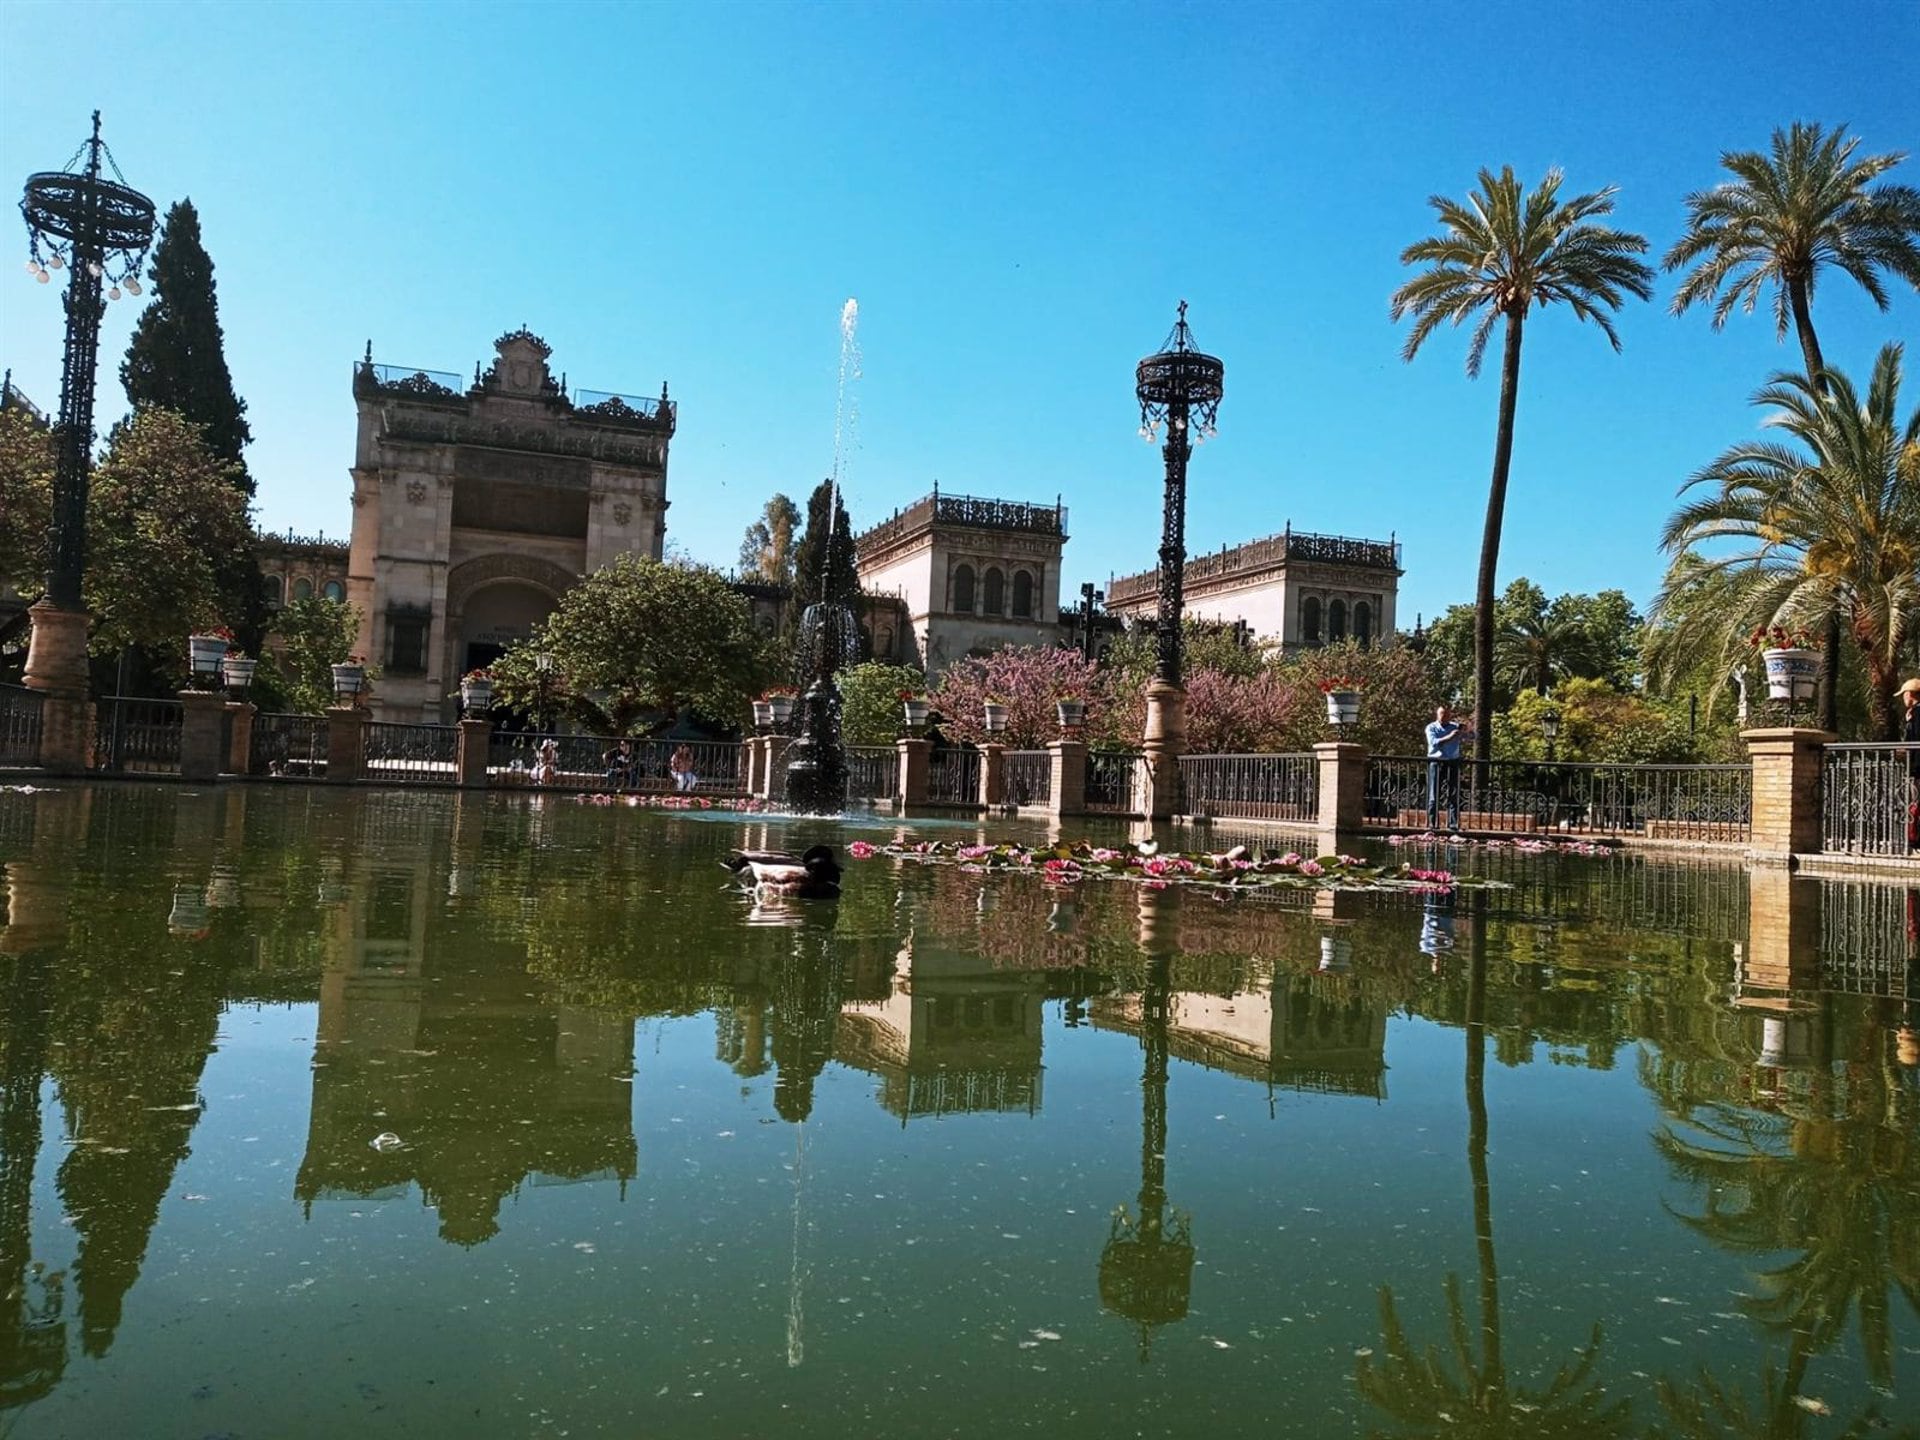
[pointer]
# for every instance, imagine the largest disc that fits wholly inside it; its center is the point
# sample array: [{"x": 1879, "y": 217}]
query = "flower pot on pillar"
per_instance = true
[
  {"x": 916, "y": 713},
  {"x": 1071, "y": 714},
  {"x": 206, "y": 653},
  {"x": 236, "y": 672},
  {"x": 348, "y": 681},
  {"x": 1343, "y": 707},
  {"x": 1792, "y": 673}
]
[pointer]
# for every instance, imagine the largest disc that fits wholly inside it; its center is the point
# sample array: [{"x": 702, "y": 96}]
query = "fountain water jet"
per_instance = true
[{"x": 829, "y": 634}]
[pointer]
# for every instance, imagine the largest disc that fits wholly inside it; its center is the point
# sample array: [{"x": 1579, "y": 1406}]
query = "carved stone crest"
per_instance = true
[
  {"x": 622, "y": 512},
  {"x": 416, "y": 492}
]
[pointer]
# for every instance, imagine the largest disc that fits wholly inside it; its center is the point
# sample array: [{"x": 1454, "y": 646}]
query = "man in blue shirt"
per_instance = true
[{"x": 1443, "y": 767}]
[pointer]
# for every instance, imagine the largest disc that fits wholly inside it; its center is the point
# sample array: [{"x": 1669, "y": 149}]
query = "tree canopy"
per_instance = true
[
  {"x": 643, "y": 637},
  {"x": 767, "y": 549},
  {"x": 823, "y": 565}
]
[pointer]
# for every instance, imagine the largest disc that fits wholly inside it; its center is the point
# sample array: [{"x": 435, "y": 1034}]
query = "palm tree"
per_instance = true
[
  {"x": 1499, "y": 254},
  {"x": 1833, "y": 527},
  {"x": 1784, "y": 217},
  {"x": 1537, "y": 650}
]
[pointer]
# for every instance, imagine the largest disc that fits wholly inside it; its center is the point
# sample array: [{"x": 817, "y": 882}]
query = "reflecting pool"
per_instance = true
[{"x": 379, "y": 1113}]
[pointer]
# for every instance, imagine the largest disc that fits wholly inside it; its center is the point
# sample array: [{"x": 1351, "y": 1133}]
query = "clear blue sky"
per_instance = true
[{"x": 1017, "y": 194}]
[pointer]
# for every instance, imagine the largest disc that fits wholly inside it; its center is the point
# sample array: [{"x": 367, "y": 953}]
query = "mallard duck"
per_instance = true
[{"x": 811, "y": 875}]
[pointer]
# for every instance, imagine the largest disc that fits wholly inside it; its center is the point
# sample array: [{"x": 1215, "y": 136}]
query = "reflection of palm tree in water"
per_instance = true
[
  {"x": 1838, "y": 1185},
  {"x": 1420, "y": 1391},
  {"x": 33, "y": 1333}
]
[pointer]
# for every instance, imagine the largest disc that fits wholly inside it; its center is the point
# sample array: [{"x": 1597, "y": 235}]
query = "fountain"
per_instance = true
[{"x": 829, "y": 634}]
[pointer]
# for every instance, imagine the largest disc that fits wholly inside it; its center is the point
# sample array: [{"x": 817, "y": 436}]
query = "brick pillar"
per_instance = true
[
  {"x": 914, "y": 755},
  {"x": 1786, "y": 793},
  {"x": 346, "y": 743},
  {"x": 1067, "y": 795},
  {"x": 1343, "y": 787},
  {"x": 57, "y": 668},
  {"x": 773, "y": 766},
  {"x": 203, "y": 725},
  {"x": 1164, "y": 740},
  {"x": 993, "y": 776},
  {"x": 240, "y": 738},
  {"x": 753, "y": 752},
  {"x": 470, "y": 747}
]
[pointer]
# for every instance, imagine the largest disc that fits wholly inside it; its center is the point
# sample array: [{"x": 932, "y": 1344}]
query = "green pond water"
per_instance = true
[{"x": 391, "y": 1114}]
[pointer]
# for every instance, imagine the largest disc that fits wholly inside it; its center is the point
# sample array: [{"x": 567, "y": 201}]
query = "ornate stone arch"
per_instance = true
[{"x": 471, "y": 576}]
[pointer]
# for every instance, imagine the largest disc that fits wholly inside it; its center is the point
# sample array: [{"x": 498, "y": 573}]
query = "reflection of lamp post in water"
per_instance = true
[{"x": 1146, "y": 1266}]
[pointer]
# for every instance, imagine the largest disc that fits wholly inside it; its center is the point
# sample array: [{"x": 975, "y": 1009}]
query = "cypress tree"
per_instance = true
[
  {"x": 177, "y": 360},
  {"x": 823, "y": 563}
]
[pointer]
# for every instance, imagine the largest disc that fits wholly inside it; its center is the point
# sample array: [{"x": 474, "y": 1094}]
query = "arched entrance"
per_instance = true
[{"x": 496, "y": 601}]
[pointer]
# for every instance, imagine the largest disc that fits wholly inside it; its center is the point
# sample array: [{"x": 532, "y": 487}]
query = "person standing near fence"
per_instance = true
[
  {"x": 1910, "y": 732},
  {"x": 681, "y": 766},
  {"x": 1443, "y": 767}
]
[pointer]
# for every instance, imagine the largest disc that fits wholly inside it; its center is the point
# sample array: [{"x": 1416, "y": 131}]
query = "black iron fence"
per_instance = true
[
  {"x": 1869, "y": 938},
  {"x": 399, "y": 754},
  {"x": 288, "y": 747},
  {"x": 137, "y": 737},
  {"x": 596, "y": 762},
  {"x": 1110, "y": 775},
  {"x": 1252, "y": 787},
  {"x": 19, "y": 725},
  {"x": 1658, "y": 802},
  {"x": 1868, "y": 798},
  {"x": 1026, "y": 777},
  {"x": 873, "y": 773},
  {"x": 953, "y": 776}
]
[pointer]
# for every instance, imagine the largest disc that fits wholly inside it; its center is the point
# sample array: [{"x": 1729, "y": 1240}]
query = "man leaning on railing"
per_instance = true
[{"x": 1910, "y": 732}]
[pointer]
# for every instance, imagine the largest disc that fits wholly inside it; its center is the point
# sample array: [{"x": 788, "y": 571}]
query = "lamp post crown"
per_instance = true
[{"x": 1178, "y": 379}]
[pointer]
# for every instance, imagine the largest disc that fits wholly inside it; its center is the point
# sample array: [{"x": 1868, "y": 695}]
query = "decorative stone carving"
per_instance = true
[
  {"x": 622, "y": 513},
  {"x": 416, "y": 492}
]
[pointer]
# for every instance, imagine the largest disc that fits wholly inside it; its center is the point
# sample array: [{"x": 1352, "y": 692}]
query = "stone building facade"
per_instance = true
[
  {"x": 476, "y": 507},
  {"x": 964, "y": 576},
  {"x": 302, "y": 567},
  {"x": 1297, "y": 589}
]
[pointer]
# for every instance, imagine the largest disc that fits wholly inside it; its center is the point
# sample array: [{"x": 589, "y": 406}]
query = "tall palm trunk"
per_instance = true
[
  {"x": 1490, "y": 543},
  {"x": 1817, "y": 376}
]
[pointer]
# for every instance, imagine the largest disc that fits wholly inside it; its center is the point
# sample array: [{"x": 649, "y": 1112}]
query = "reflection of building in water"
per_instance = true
[
  {"x": 1302, "y": 1033},
  {"x": 483, "y": 1086},
  {"x": 953, "y": 1035}
]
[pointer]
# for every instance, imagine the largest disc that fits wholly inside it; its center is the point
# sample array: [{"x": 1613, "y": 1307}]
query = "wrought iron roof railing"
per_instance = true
[
  {"x": 977, "y": 511},
  {"x": 608, "y": 408},
  {"x": 1262, "y": 554},
  {"x": 409, "y": 380}
]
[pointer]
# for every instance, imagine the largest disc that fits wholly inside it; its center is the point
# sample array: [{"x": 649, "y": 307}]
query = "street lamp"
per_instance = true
[
  {"x": 543, "y": 667},
  {"x": 1180, "y": 388},
  {"x": 1089, "y": 598},
  {"x": 98, "y": 231},
  {"x": 1550, "y": 729}
]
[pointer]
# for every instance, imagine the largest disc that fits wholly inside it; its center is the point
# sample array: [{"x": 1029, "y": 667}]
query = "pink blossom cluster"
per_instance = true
[{"x": 674, "y": 802}]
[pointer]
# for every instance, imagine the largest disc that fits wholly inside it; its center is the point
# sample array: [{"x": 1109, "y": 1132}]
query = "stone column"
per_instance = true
[
  {"x": 240, "y": 738},
  {"x": 1786, "y": 793},
  {"x": 993, "y": 776},
  {"x": 203, "y": 724},
  {"x": 470, "y": 747},
  {"x": 914, "y": 764},
  {"x": 1163, "y": 743},
  {"x": 346, "y": 743},
  {"x": 57, "y": 668},
  {"x": 755, "y": 753},
  {"x": 1343, "y": 789},
  {"x": 1067, "y": 795}
]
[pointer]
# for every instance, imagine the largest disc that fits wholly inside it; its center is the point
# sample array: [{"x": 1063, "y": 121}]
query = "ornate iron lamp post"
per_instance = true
[
  {"x": 97, "y": 230},
  {"x": 1180, "y": 388}
]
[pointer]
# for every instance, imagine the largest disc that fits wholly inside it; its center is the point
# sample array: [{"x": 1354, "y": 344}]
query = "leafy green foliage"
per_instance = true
[
  {"x": 164, "y": 512},
  {"x": 870, "y": 710},
  {"x": 1597, "y": 723},
  {"x": 1805, "y": 206},
  {"x": 26, "y": 498},
  {"x": 1832, "y": 522},
  {"x": 767, "y": 550},
  {"x": 638, "y": 637},
  {"x": 307, "y": 639},
  {"x": 823, "y": 565}
]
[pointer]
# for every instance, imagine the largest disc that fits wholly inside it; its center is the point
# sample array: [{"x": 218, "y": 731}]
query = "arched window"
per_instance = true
[
  {"x": 303, "y": 589},
  {"x": 334, "y": 590},
  {"x": 1336, "y": 620},
  {"x": 963, "y": 589},
  {"x": 276, "y": 590},
  {"x": 996, "y": 588},
  {"x": 1363, "y": 623},
  {"x": 883, "y": 643},
  {"x": 1022, "y": 595},
  {"x": 1310, "y": 620}
]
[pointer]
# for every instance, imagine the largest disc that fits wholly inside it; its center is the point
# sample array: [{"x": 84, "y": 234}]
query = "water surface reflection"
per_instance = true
[{"x": 506, "y": 1114}]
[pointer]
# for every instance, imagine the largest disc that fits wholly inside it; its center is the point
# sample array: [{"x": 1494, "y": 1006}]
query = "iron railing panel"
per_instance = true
[
  {"x": 1026, "y": 777},
  {"x": 873, "y": 773},
  {"x": 1708, "y": 803},
  {"x": 1252, "y": 787},
  {"x": 953, "y": 776},
  {"x": 137, "y": 737},
  {"x": 1110, "y": 777},
  {"x": 1867, "y": 797},
  {"x": 400, "y": 754},
  {"x": 288, "y": 747},
  {"x": 19, "y": 725}
]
